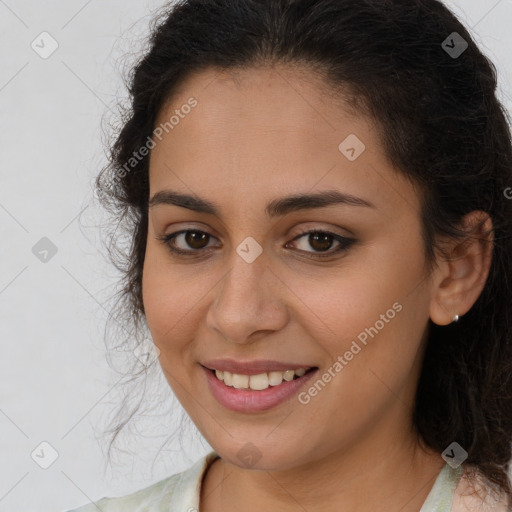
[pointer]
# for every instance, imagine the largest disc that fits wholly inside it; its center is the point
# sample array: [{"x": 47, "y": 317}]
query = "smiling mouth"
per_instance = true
[{"x": 260, "y": 381}]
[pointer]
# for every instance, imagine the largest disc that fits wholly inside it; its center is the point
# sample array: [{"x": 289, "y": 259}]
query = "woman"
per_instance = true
[{"x": 319, "y": 198}]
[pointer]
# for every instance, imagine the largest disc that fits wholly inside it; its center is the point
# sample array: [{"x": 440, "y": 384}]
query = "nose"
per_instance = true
[{"x": 249, "y": 302}]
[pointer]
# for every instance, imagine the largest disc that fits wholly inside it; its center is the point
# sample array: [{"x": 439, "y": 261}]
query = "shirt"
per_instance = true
[{"x": 181, "y": 492}]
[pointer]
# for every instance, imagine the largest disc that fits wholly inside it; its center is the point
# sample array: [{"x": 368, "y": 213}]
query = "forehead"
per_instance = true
[{"x": 268, "y": 131}]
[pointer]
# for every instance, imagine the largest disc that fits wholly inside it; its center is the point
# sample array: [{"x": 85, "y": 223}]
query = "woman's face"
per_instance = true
[{"x": 253, "y": 287}]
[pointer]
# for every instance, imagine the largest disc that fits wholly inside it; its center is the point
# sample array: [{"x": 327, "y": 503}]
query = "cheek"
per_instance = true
[
  {"x": 371, "y": 308},
  {"x": 343, "y": 303},
  {"x": 379, "y": 324},
  {"x": 166, "y": 308},
  {"x": 160, "y": 294},
  {"x": 173, "y": 298}
]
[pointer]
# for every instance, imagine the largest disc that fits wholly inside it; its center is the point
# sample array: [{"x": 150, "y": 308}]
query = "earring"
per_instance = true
[{"x": 456, "y": 318}]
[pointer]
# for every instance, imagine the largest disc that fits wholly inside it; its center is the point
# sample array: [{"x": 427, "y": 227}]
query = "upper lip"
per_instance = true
[{"x": 252, "y": 367}]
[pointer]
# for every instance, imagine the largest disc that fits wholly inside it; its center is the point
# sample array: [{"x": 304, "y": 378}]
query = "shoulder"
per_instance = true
[
  {"x": 150, "y": 498},
  {"x": 475, "y": 494},
  {"x": 180, "y": 488}
]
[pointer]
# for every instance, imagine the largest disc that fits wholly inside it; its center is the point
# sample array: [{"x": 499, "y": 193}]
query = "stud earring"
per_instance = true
[{"x": 456, "y": 318}]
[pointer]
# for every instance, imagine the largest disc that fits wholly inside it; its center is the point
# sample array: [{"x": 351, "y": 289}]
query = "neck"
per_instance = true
[{"x": 374, "y": 475}]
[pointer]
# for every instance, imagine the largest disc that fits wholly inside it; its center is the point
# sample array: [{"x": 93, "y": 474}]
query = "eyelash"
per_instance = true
[{"x": 345, "y": 242}]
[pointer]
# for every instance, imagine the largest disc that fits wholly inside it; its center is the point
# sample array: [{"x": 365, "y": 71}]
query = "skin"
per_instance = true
[{"x": 256, "y": 135}]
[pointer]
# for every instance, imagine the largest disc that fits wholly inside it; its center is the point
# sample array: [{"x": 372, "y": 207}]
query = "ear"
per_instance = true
[{"x": 461, "y": 276}]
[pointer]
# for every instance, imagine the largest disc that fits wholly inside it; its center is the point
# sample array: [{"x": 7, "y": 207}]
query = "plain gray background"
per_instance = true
[{"x": 56, "y": 386}]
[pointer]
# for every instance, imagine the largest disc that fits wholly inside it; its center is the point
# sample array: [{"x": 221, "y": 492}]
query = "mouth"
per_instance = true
[
  {"x": 260, "y": 381},
  {"x": 257, "y": 392}
]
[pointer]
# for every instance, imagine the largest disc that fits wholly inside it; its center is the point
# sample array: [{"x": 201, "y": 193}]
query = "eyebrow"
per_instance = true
[{"x": 275, "y": 208}]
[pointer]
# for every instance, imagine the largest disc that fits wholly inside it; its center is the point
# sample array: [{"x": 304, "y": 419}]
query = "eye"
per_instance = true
[
  {"x": 193, "y": 238},
  {"x": 322, "y": 241},
  {"x": 193, "y": 242}
]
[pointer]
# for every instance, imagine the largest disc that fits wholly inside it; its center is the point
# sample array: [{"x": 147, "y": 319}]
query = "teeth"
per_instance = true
[
  {"x": 260, "y": 381},
  {"x": 288, "y": 375},
  {"x": 275, "y": 378},
  {"x": 240, "y": 381}
]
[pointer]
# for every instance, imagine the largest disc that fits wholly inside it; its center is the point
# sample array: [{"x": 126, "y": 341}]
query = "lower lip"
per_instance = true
[{"x": 248, "y": 400}]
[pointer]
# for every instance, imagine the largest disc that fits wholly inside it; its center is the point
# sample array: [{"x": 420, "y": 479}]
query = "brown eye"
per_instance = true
[
  {"x": 321, "y": 242},
  {"x": 186, "y": 242},
  {"x": 196, "y": 239},
  {"x": 192, "y": 242}
]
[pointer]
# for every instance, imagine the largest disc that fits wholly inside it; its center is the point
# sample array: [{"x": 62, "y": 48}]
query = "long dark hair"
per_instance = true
[{"x": 435, "y": 104}]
